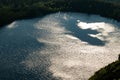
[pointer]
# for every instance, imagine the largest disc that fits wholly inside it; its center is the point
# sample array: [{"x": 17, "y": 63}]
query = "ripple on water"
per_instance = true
[{"x": 60, "y": 46}]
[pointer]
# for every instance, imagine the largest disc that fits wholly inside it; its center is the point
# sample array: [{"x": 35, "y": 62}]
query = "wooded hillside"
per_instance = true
[
  {"x": 110, "y": 72},
  {"x": 11, "y": 10}
]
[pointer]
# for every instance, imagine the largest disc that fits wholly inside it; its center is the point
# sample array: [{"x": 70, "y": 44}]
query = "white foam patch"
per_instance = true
[{"x": 71, "y": 58}]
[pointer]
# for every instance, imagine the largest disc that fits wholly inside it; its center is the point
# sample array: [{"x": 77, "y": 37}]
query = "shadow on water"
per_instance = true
[
  {"x": 15, "y": 45},
  {"x": 82, "y": 34}
]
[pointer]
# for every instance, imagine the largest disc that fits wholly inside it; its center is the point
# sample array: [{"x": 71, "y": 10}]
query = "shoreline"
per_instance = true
[{"x": 104, "y": 9}]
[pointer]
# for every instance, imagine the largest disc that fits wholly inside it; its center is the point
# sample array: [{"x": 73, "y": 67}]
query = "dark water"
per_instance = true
[
  {"x": 15, "y": 45},
  {"x": 83, "y": 34},
  {"x": 26, "y": 46}
]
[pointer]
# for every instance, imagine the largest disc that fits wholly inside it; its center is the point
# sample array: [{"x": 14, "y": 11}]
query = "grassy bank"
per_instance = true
[{"x": 11, "y": 10}]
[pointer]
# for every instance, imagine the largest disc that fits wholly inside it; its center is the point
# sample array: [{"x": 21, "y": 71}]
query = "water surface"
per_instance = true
[{"x": 60, "y": 46}]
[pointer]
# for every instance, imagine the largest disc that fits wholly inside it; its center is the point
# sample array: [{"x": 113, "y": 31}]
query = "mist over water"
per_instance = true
[{"x": 59, "y": 46}]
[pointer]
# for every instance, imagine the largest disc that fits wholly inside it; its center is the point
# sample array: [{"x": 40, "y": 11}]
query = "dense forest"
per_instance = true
[{"x": 11, "y": 10}]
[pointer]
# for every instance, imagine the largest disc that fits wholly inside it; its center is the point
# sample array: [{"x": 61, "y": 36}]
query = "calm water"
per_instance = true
[{"x": 60, "y": 46}]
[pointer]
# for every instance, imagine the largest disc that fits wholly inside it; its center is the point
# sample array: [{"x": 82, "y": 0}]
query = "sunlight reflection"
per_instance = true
[
  {"x": 62, "y": 45},
  {"x": 104, "y": 28},
  {"x": 12, "y": 25}
]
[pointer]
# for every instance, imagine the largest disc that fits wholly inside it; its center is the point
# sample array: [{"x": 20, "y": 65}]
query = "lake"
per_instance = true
[{"x": 59, "y": 46}]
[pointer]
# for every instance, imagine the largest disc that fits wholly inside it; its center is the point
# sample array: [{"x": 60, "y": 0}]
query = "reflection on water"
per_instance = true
[
  {"x": 60, "y": 46},
  {"x": 83, "y": 35}
]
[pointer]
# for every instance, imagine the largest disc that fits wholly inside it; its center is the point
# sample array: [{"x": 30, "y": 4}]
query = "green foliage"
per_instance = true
[
  {"x": 11, "y": 10},
  {"x": 110, "y": 72}
]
